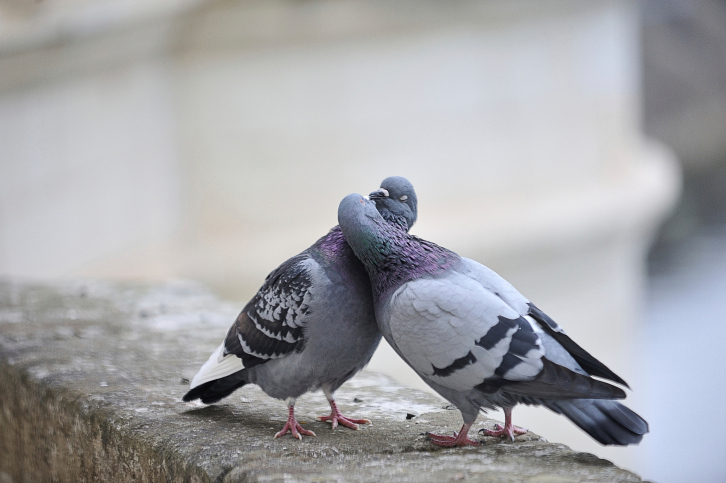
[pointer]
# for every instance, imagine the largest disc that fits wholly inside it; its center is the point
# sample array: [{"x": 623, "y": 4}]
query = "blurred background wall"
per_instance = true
[{"x": 213, "y": 139}]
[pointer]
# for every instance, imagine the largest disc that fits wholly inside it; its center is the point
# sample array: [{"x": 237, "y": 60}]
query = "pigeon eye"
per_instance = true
[{"x": 403, "y": 198}]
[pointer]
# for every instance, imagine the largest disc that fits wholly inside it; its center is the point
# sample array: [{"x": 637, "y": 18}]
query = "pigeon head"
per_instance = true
[
  {"x": 365, "y": 229},
  {"x": 361, "y": 215},
  {"x": 390, "y": 255},
  {"x": 396, "y": 201}
]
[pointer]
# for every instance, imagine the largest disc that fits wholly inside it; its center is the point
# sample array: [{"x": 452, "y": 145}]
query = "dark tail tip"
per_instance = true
[
  {"x": 197, "y": 392},
  {"x": 213, "y": 391},
  {"x": 608, "y": 422}
]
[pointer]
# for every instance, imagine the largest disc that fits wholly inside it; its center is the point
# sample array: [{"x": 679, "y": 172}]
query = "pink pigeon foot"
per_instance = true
[
  {"x": 294, "y": 427},
  {"x": 507, "y": 430},
  {"x": 502, "y": 431},
  {"x": 336, "y": 417},
  {"x": 459, "y": 439}
]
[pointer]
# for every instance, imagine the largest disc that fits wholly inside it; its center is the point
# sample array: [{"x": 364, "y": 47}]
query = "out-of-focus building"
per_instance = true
[{"x": 213, "y": 139}]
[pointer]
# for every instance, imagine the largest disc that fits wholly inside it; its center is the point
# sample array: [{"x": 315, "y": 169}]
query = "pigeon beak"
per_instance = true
[{"x": 378, "y": 194}]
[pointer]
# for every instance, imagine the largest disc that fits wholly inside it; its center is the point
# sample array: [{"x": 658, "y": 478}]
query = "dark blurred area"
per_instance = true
[{"x": 684, "y": 103}]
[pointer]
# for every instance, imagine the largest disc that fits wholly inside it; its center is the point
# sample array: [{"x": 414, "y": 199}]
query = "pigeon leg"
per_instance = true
[
  {"x": 507, "y": 430},
  {"x": 336, "y": 417},
  {"x": 458, "y": 439},
  {"x": 292, "y": 425}
]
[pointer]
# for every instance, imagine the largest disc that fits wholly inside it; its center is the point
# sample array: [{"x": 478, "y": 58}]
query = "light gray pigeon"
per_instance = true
[
  {"x": 475, "y": 339},
  {"x": 311, "y": 325}
]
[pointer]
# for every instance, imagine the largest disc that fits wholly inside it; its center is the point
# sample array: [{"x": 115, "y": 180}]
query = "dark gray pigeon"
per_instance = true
[
  {"x": 475, "y": 339},
  {"x": 311, "y": 325}
]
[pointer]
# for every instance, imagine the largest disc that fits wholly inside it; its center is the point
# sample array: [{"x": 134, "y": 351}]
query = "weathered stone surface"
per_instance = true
[{"x": 91, "y": 379}]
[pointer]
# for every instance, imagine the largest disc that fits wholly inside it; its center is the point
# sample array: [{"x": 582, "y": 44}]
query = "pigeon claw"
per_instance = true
[
  {"x": 341, "y": 420},
  {"x": 458, "y": 439},
  {"x": 337, "y": 418},
  {"x": 500, "y": 431},
  {"x": 293, "y": 427}
]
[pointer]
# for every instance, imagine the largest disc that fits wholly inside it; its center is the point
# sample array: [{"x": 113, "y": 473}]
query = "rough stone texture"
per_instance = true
[{"x": 91, "y": 379}]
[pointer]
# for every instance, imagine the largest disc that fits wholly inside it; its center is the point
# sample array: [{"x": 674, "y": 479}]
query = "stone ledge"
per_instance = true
[{"x": 91, "y": 376}]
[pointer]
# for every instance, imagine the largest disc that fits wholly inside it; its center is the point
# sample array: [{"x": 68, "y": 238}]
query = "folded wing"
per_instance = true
[
  {"x": 491, "y": 280},
  {"x": 454, "y": 332},
  {"x": 270, "y": 326}
]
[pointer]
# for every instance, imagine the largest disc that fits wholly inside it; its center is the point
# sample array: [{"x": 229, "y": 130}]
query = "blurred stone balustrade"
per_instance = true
[{"x": 213, "y": 139}]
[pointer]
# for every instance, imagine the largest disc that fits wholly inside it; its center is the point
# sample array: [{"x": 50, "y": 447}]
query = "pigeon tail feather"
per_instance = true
[
  {"x": 608, "y": 422},
  {"x": 217, "y": 366},
  {"x": 212, "y": 391}
]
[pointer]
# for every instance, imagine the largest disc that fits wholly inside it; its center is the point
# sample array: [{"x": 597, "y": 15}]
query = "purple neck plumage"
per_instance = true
[
  {"x": 334, "y": 242},
  {"x": 393, "y": 257},
  {"x": 332, "y": 251}
]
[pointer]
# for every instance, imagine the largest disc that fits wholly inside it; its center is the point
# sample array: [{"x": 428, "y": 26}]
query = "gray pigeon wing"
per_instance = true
[
  {"x": 457, "y": 334},
  {"x": 581, "y": 356},
  {"x": 272, "y": 324},
  {"x": 494, "y": 283},
  {"x": 556, "y": 382},
  {"x": 541, "y": 322}
]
